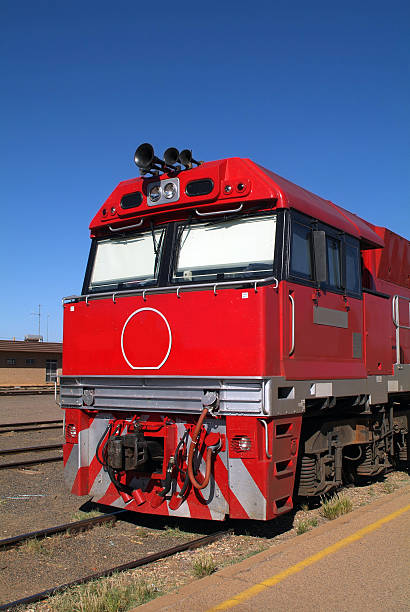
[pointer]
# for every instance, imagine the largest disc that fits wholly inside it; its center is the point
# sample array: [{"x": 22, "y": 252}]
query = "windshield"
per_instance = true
[
  {"x": 225, "y": 250},
  {"x": 125, "y": 262}
]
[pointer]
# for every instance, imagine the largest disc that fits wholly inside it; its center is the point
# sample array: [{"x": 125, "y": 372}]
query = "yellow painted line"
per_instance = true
[{"x": 298, "y": 567}]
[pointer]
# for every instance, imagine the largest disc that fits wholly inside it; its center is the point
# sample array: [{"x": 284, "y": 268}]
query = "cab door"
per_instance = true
[{"x": 322, "y": 304}]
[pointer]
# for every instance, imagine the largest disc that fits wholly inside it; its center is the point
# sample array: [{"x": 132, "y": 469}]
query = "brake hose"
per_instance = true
[{"x": 191, "y": 475}]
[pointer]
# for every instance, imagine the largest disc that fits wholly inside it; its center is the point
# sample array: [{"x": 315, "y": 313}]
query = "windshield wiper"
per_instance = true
[{"x": 157, "y": 246}]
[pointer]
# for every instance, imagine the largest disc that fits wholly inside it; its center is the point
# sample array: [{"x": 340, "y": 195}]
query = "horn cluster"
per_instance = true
[{"x": 147, "y": 161}]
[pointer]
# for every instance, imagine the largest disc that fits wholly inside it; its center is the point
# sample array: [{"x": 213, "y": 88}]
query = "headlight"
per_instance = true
[
  {"x": 155, "y": 193},
  {"x": 170, "y": 191},
  {"x": 241, "y": 444}
]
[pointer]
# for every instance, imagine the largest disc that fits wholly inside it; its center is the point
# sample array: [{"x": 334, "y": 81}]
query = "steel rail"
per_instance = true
[
  {"x": 59, "y": 421},
  {"x": 34, "y": 428},
  {"x": 191, "y": 545},
  {"x": 29, "y": 449},
  {"x": 3, "y": 466},
  {"x": 6, "y": 392},
  {"x": 74, "y": 527}
]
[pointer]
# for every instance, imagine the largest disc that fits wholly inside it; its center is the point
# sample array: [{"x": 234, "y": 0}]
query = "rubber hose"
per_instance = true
[{"x": 191, "y": 475}]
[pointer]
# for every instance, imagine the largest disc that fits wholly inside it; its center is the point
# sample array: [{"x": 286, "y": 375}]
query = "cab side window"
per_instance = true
[
  {"x": 323, "y": 256},
  {"x": 352, "y": 268},
  {"x": 334, "y": 271},
  {"x": 301, "y": 252}
]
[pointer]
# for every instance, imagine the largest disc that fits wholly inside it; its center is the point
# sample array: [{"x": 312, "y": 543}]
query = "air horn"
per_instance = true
[
  {"x": 186, "y": 159},
  {"x": 171, "y": 156},
  {"x": 146, "y": 160}
]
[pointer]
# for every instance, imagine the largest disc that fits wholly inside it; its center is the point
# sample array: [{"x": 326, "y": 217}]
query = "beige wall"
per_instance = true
[{"x": 22, "y": 374}]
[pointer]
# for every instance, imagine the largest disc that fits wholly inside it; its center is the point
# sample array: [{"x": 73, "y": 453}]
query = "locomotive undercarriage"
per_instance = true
[
  {"x": 352, "y": 445},
  {"x": 251, "y": 458}
]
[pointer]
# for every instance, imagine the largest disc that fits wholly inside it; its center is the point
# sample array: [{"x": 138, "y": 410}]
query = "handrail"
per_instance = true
[
  {"x": 218, "y": 212},
  {"x": 169, "y": 288},
  {"x": 396, "y": 321},
  {"x": 264, "y": 423},
  {"x": 125, "y": 227},
  {"x": 292, "y": 348}
]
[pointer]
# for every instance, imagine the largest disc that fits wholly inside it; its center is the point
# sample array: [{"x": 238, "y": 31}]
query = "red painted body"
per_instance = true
[
  {"x": 230, "y": 332},
  {"x": 204, "y": 341}
]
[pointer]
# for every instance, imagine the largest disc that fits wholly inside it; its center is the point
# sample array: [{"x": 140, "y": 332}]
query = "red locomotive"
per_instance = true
[{"x": 238, "y": 341}]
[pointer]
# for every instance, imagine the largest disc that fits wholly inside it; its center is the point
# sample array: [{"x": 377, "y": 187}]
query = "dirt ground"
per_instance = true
[
  {"x": 36, "y": 498},
  {"x": 61, "y": 555},
  {"x": 21, "y": 408},
  {"x": 41, "y": 564}
]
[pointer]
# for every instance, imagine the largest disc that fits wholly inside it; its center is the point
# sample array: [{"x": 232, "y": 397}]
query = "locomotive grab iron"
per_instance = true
[{"x": 238, "y": 341}]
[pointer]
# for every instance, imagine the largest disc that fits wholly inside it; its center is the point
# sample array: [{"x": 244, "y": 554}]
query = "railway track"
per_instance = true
[
  {"x": 190, "y": 545},
  {"x": 25, "y": 427},
  {"x": 29, "y": 449},
  {"x": 74, "y": 527},
  {"x": 18, "y": 464},
  {"x": 30, "y": 426}
]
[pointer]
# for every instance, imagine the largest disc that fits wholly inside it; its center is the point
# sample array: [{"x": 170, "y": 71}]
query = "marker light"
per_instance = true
[
  {"x": 199, "y": 187},
  {"x": 170, "y": 191},
  {"x": 131, "y": 200},
  {"x": 71, "y": 430}
]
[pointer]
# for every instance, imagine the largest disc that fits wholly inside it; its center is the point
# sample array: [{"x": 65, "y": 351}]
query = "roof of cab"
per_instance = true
[
  {"x": 293, "y": 196},
  {"x": 263, "y": 185}
]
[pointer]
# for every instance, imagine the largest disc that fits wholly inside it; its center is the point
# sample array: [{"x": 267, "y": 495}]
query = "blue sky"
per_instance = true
[{"x": 319, "y": 92}]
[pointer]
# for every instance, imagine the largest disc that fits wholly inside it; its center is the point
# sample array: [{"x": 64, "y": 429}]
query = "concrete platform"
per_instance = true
[{"x": 360, "y": 561}]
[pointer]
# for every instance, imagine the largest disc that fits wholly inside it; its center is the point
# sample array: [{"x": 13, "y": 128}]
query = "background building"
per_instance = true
[{"x": 29, "y": 362}]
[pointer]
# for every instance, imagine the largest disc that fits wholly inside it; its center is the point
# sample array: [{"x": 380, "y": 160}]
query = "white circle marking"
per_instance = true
[{"x": 169, "y": 344}]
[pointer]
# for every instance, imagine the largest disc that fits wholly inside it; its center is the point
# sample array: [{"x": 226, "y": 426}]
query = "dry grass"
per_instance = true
[
  {"x": 174, "y": 532},
  {"x": 80, "y": 515},
  {"x": 34, "y": 547},
  {"x": 142, "y": 532},
  {"x": 204, "y": 565},
  {"x": 336, "y": 506},
  {"x": 117, "y": 594},
  {"x": 306, "y": 525},
  {"x": 389, "y": 487}
]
